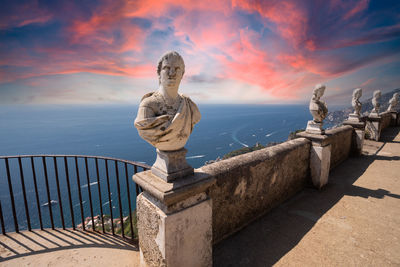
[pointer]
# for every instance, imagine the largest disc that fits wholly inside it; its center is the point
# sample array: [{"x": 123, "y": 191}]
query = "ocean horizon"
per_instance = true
[{"x": 109, "y": 131}]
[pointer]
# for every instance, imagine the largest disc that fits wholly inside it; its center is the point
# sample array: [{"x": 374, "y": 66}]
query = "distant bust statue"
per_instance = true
[
  {"x": 165, "y": 118},
  {"x": 355, "y": 102},
  {"x": 318, "y": 110},
  {"x": 393, "y": 102},
  {"x": 376, "y": 102},
  {"x": 357, "y": 105}
]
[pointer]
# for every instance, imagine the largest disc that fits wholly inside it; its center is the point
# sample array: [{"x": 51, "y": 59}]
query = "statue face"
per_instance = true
[
  {"x": 358, "y": 94},
  {"x": 171, "y": 72}
]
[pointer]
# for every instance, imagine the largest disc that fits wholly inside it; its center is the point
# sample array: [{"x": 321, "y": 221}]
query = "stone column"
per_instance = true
[
  {"x": 357, "y": 141},
  {"x": 320, "y": 158},
  {"x": 398, "y": 119},
  {"x": 394, "y": 118},
  {"x": 174, "y": 220},
  {"x": 374, "y": 126}
]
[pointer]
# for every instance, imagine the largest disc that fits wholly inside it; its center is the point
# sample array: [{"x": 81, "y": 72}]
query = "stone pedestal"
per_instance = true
[
  {"x": 354, "y": 117},
  {"x": 170, "y": 165},
  {"x": 398, "y": 119},
  {"x": 373, "y": 126},
  {"x": 320, "y": 158},
  {"x": 175, "y": 220},
  {"x": 357, "y": 141},
  {"x": 394, "y": 118},
  {"x": 314, "y": 127}
]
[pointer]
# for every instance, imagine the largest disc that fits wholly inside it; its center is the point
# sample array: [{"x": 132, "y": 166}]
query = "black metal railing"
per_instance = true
[{"x": 31, "y": 186}]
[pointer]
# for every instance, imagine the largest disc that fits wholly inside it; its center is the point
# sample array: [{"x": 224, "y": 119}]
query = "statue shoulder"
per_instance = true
[
  {"x": 187, "y": 98},
  {"x": 146, "y": 96},
  {"x": 149, "y": 100}
]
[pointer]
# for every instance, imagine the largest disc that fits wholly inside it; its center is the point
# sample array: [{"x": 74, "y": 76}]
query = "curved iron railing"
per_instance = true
[{"x": 31, "y": 186}]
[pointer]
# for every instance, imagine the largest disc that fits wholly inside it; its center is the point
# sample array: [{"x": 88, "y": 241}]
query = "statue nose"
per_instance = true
[{"x": 172, "y": 72}]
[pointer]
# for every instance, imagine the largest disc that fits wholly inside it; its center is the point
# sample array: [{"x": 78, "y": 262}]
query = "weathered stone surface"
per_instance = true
[
  {"x": 393, "y": 120},
  {"x": 356, "y": 104},
  {"x": 320, "y": 159},
  {"x": 171, "y": 165},
  {"x": 393, "y": 103},
  {"x": 375, "y": 125},
  {"x": 376, "y": 103},
  {"x": 148, "y": 220},
  {"x": 316, "y": 139},
  {"x": 314, "y": 127},
  {"x": 178, "y": 190},
  {"x": 386, "y": 119},
  {"x": 249, "y": 185},
  {"x": 358, "y": 137},
  {"x": 358, "y": 142},
  {"x": 175, "y": 220},
  {"x": 340, "y": 139},
  {"x": 183, "y": 238},
  {"x": 355, "y": 124},
  {"x": 318, "y": 110},
  {"x": 165, "y": 118}
]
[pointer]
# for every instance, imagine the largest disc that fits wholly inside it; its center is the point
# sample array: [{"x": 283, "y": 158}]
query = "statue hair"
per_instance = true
[
  {"x": 167, "y": 55},
  {"x": 356, "y": 91}
]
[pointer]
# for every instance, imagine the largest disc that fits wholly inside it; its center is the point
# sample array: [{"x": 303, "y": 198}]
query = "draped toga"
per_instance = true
[{"x": 164, "y": 127}]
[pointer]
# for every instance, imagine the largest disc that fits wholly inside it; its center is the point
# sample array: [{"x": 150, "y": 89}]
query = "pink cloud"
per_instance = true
[
  {"x": 22, "y": 15},
  {"x": 358, "y": 8},
  {"x": 367, "y": 82}
]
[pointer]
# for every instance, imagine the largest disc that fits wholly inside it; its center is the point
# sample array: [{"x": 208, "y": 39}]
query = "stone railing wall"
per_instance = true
[
  {"x": 191, "y": 214},
  {"x": 249, "y": 185},
  {"x": 386, "y": 119},
  {"x": 340, "y": 139}
]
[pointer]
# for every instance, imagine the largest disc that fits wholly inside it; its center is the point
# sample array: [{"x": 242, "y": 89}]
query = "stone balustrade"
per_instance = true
[{"x": 181, "y": 216}]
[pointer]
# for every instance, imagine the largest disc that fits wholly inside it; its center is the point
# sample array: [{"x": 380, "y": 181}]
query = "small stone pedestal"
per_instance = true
[
  {"x": 170, "y": 165},
  {"x": 320, "y": 158},
  {"x": 314, "y": 127},
  {"x": 175, "y": 220},
  {"x": 358, "y": 135},
  {"x": 374, "y": 126}
]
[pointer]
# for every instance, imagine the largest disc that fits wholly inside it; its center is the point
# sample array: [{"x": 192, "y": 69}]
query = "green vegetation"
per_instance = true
[
  {"x": 245, "y": 150},
  {"x": 292, "y": 135},
  {"x": 117, "y": 225},
  {"x": 127, "y": 228}
]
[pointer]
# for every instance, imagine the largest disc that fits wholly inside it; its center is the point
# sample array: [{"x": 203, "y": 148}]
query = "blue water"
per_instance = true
[{"x": 109, "y": 131}]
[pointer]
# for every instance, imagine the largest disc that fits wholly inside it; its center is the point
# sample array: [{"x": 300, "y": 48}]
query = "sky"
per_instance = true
[{"x": 235, "y": 51}]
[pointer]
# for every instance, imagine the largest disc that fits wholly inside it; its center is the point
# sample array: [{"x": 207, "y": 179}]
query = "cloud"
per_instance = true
[{"x": 278, "y": 48}]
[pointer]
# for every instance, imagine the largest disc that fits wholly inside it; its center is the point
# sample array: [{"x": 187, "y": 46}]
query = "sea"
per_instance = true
[{"x": 109, "y": 131}]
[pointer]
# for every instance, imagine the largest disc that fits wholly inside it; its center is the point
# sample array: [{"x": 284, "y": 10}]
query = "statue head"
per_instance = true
[
  {"x": 318, "y": 91},
  {"x": 170, "y": 69},
  {"x": 357, "y": 93},
  {"x": 377, "y": 94}
]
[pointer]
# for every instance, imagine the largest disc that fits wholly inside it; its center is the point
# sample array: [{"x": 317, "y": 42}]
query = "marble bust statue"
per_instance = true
[
  {"x": 165, "y": 119},
  {"x": 376, "y": 103},
  {"x": 318, "y": 110},
  {"x": 357, "y": 105},
  {"x": 393, "y": 102}
]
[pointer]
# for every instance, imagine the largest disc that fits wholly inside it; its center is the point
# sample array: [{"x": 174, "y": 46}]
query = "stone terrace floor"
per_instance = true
[
  {"x": 66, "y": 248},
  {"x": 354, "y": 221}
]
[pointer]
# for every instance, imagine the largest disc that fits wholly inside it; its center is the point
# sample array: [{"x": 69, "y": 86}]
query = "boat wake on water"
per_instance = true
[
  {"x": 196, "y": 157},
  {"x": 234, "y": 135}
]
